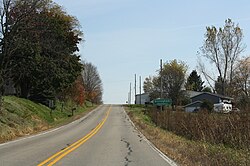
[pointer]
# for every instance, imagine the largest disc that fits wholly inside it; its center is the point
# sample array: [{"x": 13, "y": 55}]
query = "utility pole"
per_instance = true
[
  {"x": 130, "y": 94},
  {"x": 140, "y": 90},
  {"x": 135, "y": 88},
  {"x": 161, "y": 75},
  {"x": 161, "y": 79},
  {"x": 128, "y": 102}
]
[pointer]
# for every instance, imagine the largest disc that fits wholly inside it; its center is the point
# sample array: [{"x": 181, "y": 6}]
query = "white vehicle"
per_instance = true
[{"x": 223, "y": 107}]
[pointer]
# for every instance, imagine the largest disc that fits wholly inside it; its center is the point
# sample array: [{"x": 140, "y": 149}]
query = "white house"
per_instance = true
[{"x": 142, "y": 99}]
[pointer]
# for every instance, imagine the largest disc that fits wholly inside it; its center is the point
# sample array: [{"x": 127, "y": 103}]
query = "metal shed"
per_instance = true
[{"x": 193, "y": 106}]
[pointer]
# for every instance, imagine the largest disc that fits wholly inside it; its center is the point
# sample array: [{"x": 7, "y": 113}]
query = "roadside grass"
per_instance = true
[
  {"x": 63, "y": 113},
  {"x": 183, "y": 150},
  {"x": 20, "y": 117},
  {"x": 231, "y": 130}
]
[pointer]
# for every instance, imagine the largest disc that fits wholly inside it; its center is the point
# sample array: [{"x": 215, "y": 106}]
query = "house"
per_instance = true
[
  {"x": 142, "y": 98},
  {"x": 192, "y": 107},
  {"x": 192, "y": 93},
  {"x": 212, "y": 97},
  {"x": 198, "y": 99}
]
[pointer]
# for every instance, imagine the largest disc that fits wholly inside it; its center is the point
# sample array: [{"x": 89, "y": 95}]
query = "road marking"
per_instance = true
[
  {"x": 59, "y": 155},
  {"x": 151, "y": 145}
]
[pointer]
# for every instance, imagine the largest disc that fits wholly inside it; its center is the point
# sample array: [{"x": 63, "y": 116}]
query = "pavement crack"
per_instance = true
[
  {"x": 129, "y": 148},
  {"x": 66, "y": 146},
  {"x": 140, "y": 137}
]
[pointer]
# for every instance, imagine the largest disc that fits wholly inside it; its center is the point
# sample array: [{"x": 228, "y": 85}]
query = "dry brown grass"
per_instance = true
[
  {"x": 232, "y": 130},
  {"x": 185, "y": 151}
]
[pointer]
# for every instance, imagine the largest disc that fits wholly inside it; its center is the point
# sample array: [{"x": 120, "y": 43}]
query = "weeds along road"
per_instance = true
[{"x": 103, "y": 138}]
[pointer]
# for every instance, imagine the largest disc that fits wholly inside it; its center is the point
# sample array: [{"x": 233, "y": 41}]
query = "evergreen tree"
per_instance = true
[
  {"x": 194, "y": 82},
  {"x": 207, "y": 89}
]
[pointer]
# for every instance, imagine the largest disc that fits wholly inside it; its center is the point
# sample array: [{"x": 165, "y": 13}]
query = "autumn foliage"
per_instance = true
[
  {"x": 78, "y": 91},
  {"x": 75, "y": 92}
]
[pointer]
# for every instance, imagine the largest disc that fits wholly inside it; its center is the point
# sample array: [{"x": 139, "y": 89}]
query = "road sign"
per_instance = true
[{"x": 162, "y": 102}]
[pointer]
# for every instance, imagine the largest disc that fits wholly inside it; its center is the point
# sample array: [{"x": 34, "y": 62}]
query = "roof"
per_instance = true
[
  {"x": 191, "y": 104},
  {"x": 192, "y": 93},
  {"x": 142, "y": 94},
  {"x": 213, "y": 94}
]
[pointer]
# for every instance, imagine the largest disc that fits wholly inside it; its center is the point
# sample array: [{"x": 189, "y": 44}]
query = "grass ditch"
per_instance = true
[
  {"x": 21, "y": 117},
  {"x": 186, "y": 151}
]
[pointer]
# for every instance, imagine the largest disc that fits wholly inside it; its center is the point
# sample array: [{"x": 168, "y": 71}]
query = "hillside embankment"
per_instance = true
[{"x": 21, "y": 117}]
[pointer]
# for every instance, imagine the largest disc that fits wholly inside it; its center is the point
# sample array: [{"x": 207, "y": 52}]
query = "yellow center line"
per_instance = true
[{"x": 75, "y": 145}]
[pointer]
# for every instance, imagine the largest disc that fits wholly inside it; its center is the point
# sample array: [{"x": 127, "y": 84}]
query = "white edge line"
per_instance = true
[
  {"x": 50, "y": 131},
  {"x": 163, "y": 156}
]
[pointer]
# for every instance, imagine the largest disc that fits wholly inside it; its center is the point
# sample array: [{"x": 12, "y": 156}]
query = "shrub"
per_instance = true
[
  {"x": 232, "y": 130},
  {"x": 207, "y": 105}
]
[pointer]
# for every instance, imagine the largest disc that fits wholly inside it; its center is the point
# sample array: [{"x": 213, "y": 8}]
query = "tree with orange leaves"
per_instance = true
[{"x": 92, "y": 83}]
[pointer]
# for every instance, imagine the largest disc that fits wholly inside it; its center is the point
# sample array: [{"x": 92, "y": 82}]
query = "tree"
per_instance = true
[
  {"x": 151, "y": 85},
  {"x": 44, "y": 61},
  {"x": 8, "y": 28},
  {"x": 74, "y": 93},
  {"x": 218, "y": 85},
  {"x": 241, "y": 83},
  {"x": 222, "y": 47},
  {"x": 207, "y": 89},
  {"x": 207, "y": 105},
  {"x": 242, "y": 76},
  {"x": 173, "y": 78},
  {"x": 148, "y": 84},
  {"x": 92, "y": 83},
  {"x": 194, "y": 82}
]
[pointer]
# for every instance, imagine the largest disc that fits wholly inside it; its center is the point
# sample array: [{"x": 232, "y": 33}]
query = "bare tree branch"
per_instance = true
[
  {"x": 92, "y": 83},
  {"x": 223, "y": 47}
]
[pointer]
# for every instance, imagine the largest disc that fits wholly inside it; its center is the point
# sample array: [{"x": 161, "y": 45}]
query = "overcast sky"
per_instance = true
[{"x": 127, "y": 37}]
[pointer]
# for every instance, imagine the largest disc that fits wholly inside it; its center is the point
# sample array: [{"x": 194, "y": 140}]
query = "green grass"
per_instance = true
[
  {"x": 21, "y": 117},
  {"x": 139, "y": 111}
]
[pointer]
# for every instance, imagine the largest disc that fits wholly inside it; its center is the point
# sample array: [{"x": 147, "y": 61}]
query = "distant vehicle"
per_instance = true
[{"x": 223, "y": 107}]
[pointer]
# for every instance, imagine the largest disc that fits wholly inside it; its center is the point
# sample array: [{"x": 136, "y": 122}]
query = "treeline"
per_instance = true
[
  {"x": 38, "y": 53},
  {"x": 228, "y": 72}
]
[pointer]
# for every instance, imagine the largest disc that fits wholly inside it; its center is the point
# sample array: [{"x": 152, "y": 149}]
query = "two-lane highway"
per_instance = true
[{"x": 103, "y": 138}]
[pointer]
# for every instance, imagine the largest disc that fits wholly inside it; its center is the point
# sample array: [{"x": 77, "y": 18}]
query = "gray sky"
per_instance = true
[{"x": 127, "y": 37}]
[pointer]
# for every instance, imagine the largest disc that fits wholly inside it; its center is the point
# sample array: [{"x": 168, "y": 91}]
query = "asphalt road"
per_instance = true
[{"x": 105, "y": 137}]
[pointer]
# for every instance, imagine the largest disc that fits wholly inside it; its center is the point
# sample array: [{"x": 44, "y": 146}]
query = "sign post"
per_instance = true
[{"x": 162, "y": 102}]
